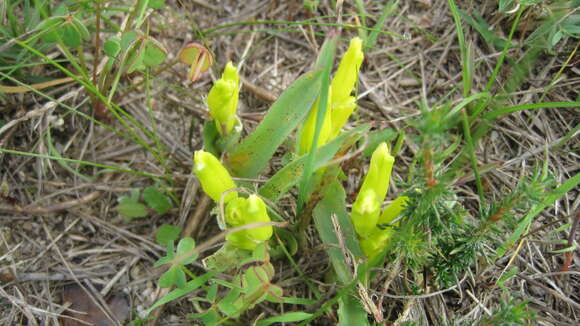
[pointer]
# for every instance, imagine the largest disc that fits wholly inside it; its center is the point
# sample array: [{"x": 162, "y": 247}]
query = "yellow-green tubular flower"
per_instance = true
[
  {"x": 340, "y": 114},
  {"x": 365, "y": 213},
  {"x": 379, "y": 239},
  {"x": 307, "y": 134},
  {"x": 242, "y": 211},
  {"x": 379, "y": 173},
  {"x": 372, "y": 192},
  {"x": 213, "y": 176},
  {"x": 347, "y": 73},
  {"x": 223, "y": 99}
]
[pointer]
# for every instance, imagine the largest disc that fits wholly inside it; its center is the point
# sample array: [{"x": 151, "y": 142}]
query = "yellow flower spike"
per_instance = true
[
  {"x": 366, "y": 208},
  {"x": 213, "y": 176},
  {"x": 340, "y": 114},
  {"x": 307, "y": 133},
  {"x": 379, "y": 173},
  {"x": 379, "y": 239},
  {"x": 242, "y": 211},
  {"x": 347, "y": 74},
  {"x": 222, "y": 99},
  {"x": 365, "y": 213}
]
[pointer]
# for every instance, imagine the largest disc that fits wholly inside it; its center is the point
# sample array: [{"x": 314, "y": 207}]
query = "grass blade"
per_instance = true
[{"x": 525, "y": 223}]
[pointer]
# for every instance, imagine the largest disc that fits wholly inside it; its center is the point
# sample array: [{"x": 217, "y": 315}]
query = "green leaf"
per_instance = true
[
  {"x": 377, "y": 137},
  {"x": 174, "y": 275},
  {"x": 230, "y": 305},
  {"x": 351, "y": 312},
  {"x": 507, "y": 276},
  {"x": 70, "y": 35},
  {"x": 226, "y": 257},
  {"x": 156, "y": 4},
  {"x": 184, "y": 246},
  {"x": 333, "y": 205},
  {"x": 131, "y": 209},
  {"x": 167, "y": 233},
  {"x": 210, "y": 138},
  {"x": 127, "y": 39},
  {"x": 112, "y": 46},
  {"x": 285, "y": 318},
  {"x": 324, "y": 62},
  {"x": 185, "y": 290},
  {"x": 388, "y": 9},
  {"x": 153, "y": 55},
  {"x": 525, "y": 222},
  {"x": 256, "y": 150},
  {"x": 290, "y": 174},
  {"x": 156, "y": 200},
  {"x": 49, "y": 29},
  {"x": 135, "y": 59},
  {"x": 81, "y": 29},
  {"x": 484, "y": 29}
]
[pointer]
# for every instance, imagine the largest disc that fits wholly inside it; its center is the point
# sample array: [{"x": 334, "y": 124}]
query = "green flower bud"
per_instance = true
[
  {"x": 347, "y": 74},
  {"x": 223, "y": 99},
  {"x": 235, "y": 211},
  {"x": 242, "y": 211},
  {"x": 213, "y": 176}
]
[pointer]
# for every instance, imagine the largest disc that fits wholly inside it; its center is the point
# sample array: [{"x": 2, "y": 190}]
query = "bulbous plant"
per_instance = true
[{"x": 216, "y": 181}]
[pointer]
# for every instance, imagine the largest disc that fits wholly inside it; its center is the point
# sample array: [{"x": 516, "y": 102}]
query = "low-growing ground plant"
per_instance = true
[{"x": 397, "y": 212}]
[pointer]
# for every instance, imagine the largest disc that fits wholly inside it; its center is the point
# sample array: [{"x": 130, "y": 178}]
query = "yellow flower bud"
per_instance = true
[
  {"x": 347, "y": 74},
  {"x": 257, "y": 212},
  {"x": 213, "y": 176},
  {"x": 235, "y": 211},
  {"x": 222, "y": 99},
  {"x": 242, "y": 211},
  {"x": 340, "y": 114},
  {"x": 307, "y": 134},
  {"x": 365, "y": 213},
  {"x": 379, "y": 173}
]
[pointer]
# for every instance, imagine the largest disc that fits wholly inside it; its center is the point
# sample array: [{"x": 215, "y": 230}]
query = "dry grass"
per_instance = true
[{"x": 57, "y": 228}]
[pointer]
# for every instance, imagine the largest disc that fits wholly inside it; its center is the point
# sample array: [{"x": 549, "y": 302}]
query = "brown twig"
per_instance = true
[
  {"x": 570, "y": 254},
  {"x": 43, "y": 210},
  {"x": 194, "y": 221}
]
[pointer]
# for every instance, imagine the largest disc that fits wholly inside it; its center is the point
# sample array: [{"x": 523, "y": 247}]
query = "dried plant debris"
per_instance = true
[{"x": 86, "y": 308}]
